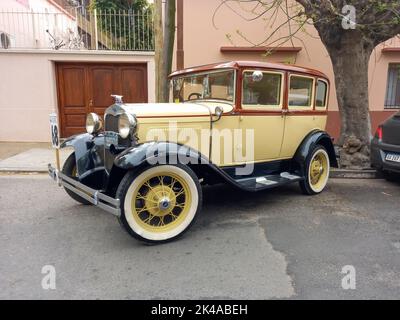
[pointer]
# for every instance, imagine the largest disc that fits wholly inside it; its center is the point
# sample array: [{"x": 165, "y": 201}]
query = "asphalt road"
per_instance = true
[{"x": 274, "y": 244}]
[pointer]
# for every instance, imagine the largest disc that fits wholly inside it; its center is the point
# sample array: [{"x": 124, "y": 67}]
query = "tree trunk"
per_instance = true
[
  {"x": 169, "y": 40},
  {"x": 350, "y": 62}
]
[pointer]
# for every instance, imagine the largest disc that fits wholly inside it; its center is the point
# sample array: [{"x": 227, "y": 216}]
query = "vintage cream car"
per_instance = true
[{"x": 253, "y": 125}]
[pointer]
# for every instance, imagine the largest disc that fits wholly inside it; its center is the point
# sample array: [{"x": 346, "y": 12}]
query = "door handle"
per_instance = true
[{"x": 90, "y": 103}]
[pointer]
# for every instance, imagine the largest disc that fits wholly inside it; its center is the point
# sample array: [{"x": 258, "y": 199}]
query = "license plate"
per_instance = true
[
  {"x": 111, "y": 138},
  {"x": 393, "y": 157}
]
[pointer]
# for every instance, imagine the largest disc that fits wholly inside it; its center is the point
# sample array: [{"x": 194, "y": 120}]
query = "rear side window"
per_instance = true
[
  {"x": 301, "y": 90},
  {"x": 321, "y": 94}
]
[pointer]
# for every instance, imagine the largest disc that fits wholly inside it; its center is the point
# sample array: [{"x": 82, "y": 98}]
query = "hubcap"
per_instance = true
[
  {"x": 164, "y": 204},
  {"x": 319, "y": 170},
  {"x": 161, "y": 202}
]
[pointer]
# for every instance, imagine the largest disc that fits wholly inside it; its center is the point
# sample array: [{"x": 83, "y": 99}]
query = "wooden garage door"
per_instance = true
[{"x": 84, "y": 88}]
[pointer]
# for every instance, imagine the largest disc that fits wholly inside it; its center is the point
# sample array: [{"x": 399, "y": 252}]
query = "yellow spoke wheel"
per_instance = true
[
  {"x": 318, "y": 172},
  {"x": 159, "y": 203}
]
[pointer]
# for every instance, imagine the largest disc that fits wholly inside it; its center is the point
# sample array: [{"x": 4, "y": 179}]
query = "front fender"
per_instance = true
[
  {"x": 315, "y": 138},
  {"x": 158, "y": 153},
  {"x": 79, "y": 143},
  {"x": 89, "y": 152}
]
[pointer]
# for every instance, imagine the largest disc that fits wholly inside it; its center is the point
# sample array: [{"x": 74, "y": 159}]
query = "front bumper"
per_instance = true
[{"x": 95, "y": 197}]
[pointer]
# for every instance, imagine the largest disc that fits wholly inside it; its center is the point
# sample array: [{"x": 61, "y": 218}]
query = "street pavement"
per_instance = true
[{"x": 269, "y": 245}]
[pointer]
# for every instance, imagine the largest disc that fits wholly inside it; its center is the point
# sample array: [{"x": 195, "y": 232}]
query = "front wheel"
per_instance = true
[
  {"x": 158, "y": 204},
  {"x": 317, "y": 171}
]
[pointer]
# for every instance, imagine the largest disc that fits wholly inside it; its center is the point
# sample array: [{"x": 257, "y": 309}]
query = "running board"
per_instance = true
[{"x": 267, "y": 182}]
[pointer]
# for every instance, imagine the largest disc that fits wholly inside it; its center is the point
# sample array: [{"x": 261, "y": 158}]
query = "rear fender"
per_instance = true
[{"x": 308, "y": 144}]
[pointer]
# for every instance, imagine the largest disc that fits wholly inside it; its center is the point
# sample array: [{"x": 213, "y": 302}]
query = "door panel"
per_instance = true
[
  {"x": 134, "y": 84},
  {"x": 76, "y": 120},
  {"x": 86, "y": 87},
  {"x": 268, "y": 134},
  {"x": 262, "y": 104},
  {"x": 72, "y": 91},
  {"x": 101, "y": 88},
  {"x": 74, "y": 78},
  {"x": 297, "y": 127},
  {"x": 301, "y": 118}
]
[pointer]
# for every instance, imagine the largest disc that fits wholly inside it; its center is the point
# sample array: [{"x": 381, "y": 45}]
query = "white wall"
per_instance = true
[
  {"x": 28, "y": 92},
  {"x": 27, "y": 25}
]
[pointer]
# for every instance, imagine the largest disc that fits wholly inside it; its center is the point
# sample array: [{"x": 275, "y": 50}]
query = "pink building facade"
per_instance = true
[{"x": 214, "y": 33}]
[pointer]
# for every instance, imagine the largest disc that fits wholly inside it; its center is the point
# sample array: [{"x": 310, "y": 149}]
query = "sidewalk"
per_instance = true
[{"x": 28, "y": 157}]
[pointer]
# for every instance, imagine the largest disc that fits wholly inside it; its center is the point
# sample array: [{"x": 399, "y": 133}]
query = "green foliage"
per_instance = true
[
  {"x": 129, "y": 23},
  {"x": 119, "y": 4}
]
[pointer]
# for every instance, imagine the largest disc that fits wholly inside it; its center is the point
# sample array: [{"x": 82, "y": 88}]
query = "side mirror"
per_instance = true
[{"x": 218, "y": 113}]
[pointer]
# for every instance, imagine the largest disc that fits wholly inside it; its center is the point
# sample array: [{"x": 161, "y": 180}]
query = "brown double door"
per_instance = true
[{"x": 84, "y": 88}]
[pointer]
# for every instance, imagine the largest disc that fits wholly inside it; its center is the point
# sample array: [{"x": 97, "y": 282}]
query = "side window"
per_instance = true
[
  {"x": 321, "y": 94},
  {"x": 262, "y": 89},
  {"x": 301, "y": 90}
]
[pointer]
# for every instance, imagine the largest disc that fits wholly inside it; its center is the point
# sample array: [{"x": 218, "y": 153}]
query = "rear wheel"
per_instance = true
[
  {"x": 317, "y": 171},
  {"x": 70, "y": 170},
  {"x": 159, "y": 204}
]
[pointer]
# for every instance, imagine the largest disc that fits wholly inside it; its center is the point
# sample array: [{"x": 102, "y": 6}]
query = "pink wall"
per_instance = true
[{"x": 203, "y": 40}]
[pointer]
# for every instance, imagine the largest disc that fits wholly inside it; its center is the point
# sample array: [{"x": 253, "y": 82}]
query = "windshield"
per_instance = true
[{"x": 218, "y": 85}]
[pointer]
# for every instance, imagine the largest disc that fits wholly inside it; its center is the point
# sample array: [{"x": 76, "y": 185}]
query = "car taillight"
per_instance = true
[{"x": 379, "y": 133}]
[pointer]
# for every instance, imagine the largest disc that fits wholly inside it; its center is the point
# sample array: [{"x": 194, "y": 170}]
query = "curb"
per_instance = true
[
  {"x": 22, "y": 171},
  {"x": 353, "y": 174}
]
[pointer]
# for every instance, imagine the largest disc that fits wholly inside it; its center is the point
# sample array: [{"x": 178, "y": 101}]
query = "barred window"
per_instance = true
[{"x": 392, "y": 100}]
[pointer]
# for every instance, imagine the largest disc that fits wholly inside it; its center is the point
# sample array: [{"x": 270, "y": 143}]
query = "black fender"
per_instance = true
[
  {"x": 152, "y": 153},
  {"x": 314, "y": 138},
  {"x": 89, "y": 153}
]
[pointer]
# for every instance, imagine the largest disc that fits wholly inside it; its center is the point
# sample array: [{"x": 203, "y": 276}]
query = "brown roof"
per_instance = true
[{"x": 249, "y": 64}]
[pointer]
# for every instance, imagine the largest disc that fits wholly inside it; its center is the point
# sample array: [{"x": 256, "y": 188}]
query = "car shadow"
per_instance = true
[{"x": 224, "y": 198}]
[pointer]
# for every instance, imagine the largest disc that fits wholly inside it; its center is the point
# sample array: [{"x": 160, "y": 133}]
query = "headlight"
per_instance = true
[
  {"x": 127, "y": 125},
  {"x": 93, "y": 123}
]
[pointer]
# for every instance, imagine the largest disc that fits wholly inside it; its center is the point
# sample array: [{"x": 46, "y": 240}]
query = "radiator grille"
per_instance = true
[{"x": 111, "y": 124}]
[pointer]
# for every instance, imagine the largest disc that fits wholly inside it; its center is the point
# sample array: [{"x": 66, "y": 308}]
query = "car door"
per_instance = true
[
  {"x": 306, "y": 111},
  {"x": 261, "y": 113}
]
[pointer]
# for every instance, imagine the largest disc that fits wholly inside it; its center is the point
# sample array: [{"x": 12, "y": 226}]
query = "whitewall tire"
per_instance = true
[
  {"x": 159, "y": 203},
  {"x": 317, "y": 171}
]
